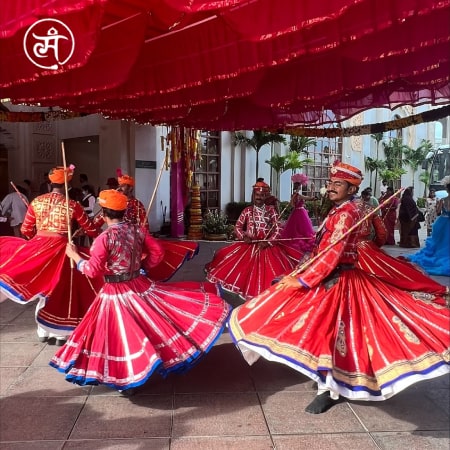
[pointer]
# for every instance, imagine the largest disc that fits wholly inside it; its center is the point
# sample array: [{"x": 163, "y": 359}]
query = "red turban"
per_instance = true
[
  {"x": 347, "y": 173},
  {"x": 112, "y": 199}
]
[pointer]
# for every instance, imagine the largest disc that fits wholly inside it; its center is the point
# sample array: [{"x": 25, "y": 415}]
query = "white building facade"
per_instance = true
[{"x": 97, "y": 147}]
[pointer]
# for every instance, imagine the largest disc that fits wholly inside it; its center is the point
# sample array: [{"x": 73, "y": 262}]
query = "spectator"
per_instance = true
[
  {"x": 15, "y": 206},
  {"x": 46, "y": 186}
]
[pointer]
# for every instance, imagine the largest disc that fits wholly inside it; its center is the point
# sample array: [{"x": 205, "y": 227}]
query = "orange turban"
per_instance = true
[
  {"x": 126, "y": 179},
  {"x": 112, "y": 199},
  {"x": 56, "y": 175},
  {"x": 260, "y": 186},
  {"x": 347, "y": 173}
]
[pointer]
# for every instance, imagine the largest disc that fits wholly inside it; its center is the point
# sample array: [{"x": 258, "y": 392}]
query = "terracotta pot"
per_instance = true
[{"x": 215, "y": 237}]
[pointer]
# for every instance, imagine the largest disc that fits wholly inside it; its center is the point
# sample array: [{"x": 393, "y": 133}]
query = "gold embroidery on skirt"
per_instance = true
[
  {"x": 427, "y": 299},
  {"x": 301, "y": 321},
  {"x": 409, "y": 335},
  {"x": 341, "y": 344},
  {"x": 369, "y": 347}
]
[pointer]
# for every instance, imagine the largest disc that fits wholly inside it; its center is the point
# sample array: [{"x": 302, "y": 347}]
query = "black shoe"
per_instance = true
[
  {"x": 128, "y": 392},
  {"x": 60, "y": 341},
  {"x": 321, "y": 403},
  {"x": 43, "y": 338}
]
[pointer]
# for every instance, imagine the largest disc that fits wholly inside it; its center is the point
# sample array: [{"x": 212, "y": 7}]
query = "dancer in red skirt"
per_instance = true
[
  {"x": 249, "y": 266},
  {"x": 355, "y": 335},
  {"x": 39, "y": 269},
  {"x": 135, "y": 326}
]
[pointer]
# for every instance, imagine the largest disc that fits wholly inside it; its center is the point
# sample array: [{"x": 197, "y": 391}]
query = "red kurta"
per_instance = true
[
  {"x": 39, "y": 269},
  {"x": 249, "y": 268}
]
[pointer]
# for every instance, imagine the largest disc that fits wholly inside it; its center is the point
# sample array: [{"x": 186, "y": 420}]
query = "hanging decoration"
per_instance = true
[
  {"x": 396, "y": 124},
  {"x": 49, "y": 116}
]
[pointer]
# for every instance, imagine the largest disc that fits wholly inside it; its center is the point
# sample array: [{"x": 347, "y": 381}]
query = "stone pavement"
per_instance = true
[{"x": 220, "y": 404}]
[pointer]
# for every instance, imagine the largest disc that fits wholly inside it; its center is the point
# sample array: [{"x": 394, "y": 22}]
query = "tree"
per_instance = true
[
  {"x": 300, "y": 144},
  {"x": 370, "y": 165},
  {"x": 425, "y": 178},
  {"x": 280, "y": 164},
  {"x": 392, "y": 175},
  {"x": 259, "y": 139},
  {"x": 277, "y": 162},
  {"x": 415, "y": 157},
  {"x": 393, "y": 171}
]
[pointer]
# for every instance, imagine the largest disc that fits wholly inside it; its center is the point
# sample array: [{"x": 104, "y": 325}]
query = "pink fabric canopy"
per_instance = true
[{"x": 232, "y": 64}]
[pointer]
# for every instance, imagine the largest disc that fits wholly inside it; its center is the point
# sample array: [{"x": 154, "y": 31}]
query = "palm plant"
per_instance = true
[
  {"x": 370, "y": 165},
  {"x": 425, "y": 177},
  {"x": 277, "y": 162},
  {"x": 300, "y": 144},
  {"x": 280, "y": 164},
  {"x": 259, "y": 139},
  {"x": 393, "y": 170},
  {"x": 415, "y": 157}
]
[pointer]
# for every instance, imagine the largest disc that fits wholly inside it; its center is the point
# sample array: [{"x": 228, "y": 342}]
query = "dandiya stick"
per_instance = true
[
  {"x": 350, "y": 230},
  {"x": 20, "y": 194},
  {"x": 270, "y": 291},
  {"x": 66, "y": 188}
]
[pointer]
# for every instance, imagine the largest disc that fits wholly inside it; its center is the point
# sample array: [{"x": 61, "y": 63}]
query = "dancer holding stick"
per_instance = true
[
  {"x": 248, "y": 267},
  {"x": 38, "y": 269},
  {"x": 351, "y": 332}
]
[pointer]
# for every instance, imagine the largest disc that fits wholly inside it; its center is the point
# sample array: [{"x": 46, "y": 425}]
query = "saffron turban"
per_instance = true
[
  {"x": 112, "y": 199},
  {"x": 260, "y": 186},
  {"x": 347, "y": 173},
  {"x": 126, "y": 179},
  {"x": 56, "y": 175}
]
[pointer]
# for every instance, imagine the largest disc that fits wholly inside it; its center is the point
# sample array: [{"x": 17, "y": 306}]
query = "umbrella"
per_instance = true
[{"x": 441, "y": 194}]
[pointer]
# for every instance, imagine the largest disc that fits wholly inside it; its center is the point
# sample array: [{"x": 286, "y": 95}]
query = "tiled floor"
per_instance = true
[{"x": 220, "y": 404}]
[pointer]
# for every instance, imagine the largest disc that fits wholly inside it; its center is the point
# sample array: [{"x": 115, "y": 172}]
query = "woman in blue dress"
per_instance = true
[{"x": 434, "y": 258}]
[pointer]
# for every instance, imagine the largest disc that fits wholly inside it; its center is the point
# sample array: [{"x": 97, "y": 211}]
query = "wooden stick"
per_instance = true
[
  {"x": 66, "y": 188},
  {"x": 20, "y": 194},
  {"x": 152, "y": 198},
  {"x": 350, "y": 230}
]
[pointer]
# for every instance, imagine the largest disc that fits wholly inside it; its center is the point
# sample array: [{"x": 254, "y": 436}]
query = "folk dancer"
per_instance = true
[
  {"x": 248, "y": 267},
  {"x": 176, "y": 253},
  {"x": 39, "y": 269},
  {"x": 349, "y": 331},
  {"x": 135, "y": 327}
]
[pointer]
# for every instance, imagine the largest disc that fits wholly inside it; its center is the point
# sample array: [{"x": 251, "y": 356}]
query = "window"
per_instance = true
[
  {"x": 207, "y": 170},
  {"x": 324, "y": 154}
]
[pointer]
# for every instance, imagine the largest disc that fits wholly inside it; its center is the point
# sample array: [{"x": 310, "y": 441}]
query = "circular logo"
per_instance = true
[{"x": 49, "y": 43}]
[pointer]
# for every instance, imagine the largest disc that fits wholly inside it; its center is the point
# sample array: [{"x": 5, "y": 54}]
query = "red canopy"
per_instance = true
[{"x": 230, "y": 64}]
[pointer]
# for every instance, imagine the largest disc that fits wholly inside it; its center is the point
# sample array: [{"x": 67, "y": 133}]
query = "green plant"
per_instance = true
[
  {"x": 259, "y": 139},
  {"x": 420, "y": 202},
  {"x": 215, "y": 222}
]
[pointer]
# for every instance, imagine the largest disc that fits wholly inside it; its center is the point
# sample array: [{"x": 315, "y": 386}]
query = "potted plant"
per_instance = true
[{"x": 215, "y": 225}]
